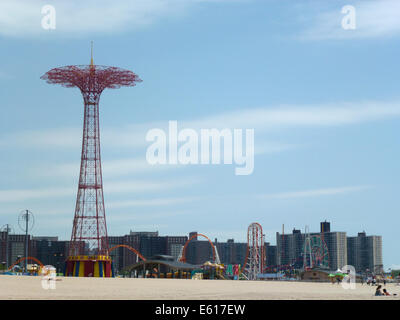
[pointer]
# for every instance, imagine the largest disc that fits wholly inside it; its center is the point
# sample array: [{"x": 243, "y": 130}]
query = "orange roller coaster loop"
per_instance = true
[
  {"x": 129, "y": 248},
  {"x": 26, "y": 258},
  {"x": 183, "y": 259}
]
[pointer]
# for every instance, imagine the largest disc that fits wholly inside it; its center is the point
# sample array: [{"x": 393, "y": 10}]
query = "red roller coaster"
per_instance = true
[{"x": 255, "y": 255}]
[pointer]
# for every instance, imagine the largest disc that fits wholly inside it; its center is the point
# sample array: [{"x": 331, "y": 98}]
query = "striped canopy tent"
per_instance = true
[{"x": 89, "y": 266}]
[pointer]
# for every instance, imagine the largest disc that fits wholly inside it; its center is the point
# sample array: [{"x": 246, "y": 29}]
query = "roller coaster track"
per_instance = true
[
  {"x": 23, "y": 259},
  {"x": 214, "y": 249},
  {"x": 129, "y": 248}
]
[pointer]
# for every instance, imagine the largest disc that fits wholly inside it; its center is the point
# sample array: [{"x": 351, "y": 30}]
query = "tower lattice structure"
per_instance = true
[
  {"x": 255, "y": 257},
  {"x": 89, "y": 231}
]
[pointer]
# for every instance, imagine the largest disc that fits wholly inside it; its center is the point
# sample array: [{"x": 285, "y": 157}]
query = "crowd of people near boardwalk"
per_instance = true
[
  {"x": 379, "y": 290},
  {"x": 373, "y": 281}
]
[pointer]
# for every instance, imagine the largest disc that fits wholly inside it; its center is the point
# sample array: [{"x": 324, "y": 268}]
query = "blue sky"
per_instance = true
[{"x": 324, "y": 103}]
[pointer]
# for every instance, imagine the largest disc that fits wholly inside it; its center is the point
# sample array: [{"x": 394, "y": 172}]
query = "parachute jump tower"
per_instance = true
[{"x": 89, "y": 251}]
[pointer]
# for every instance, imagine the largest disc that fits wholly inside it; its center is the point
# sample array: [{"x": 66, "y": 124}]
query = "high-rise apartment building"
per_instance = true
[
  {"x": 365, "y": 253},
  {"x": 198, "y": 252},
  {"x": 231, "y": 252},
  {"x": 290, "y": 248},
  {"x": 12, "y": 247},
  {"x": 51, "y": 251},
  {"x": 325, "y": 227},
  {"x": 271, "y": 255}
]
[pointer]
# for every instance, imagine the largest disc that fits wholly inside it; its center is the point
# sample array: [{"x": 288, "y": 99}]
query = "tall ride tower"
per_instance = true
[
  {"x": 255, "y": 256},
  {"x": 88, "y": 251}
]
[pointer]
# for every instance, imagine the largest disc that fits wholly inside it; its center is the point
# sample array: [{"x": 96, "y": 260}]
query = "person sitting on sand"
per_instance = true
[
  {"x": 386, "y": 293},
  {"x": 378, "y": 291}
]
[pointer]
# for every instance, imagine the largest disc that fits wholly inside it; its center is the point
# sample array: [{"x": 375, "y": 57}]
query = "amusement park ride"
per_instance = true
[
  {"x": 89, "y": 251},
  {"x": 315, "y": 255},
  {"x": 315, "y": 252},
  {"x": 255, "y": 256},
  {"x": 182, "y": 255}
]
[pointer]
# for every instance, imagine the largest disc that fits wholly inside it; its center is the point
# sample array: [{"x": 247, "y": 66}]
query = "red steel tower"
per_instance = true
[{"x": 88, "y": 252}]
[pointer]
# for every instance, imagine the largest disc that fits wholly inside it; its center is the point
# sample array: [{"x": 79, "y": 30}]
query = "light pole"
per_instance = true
[
  {"x": 26, "y": 241},
  {"x": 7, "y": 246},
  {"x": 25, "y": 222}
]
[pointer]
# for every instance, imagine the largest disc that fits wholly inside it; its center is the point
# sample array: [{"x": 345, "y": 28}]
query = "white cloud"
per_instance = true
[
  {"x": 149, "y": 202},
  {"x": 284, "y": 117},
  {"x": 314, "y": 193},
  {"x": 136, "y": 186},
  {"x": 270, "y": 147},
  {"x": 260, "y": 119},
  {"x": 128, "y": 166},
  {"x": 112, "y": 187},
  {"x": 75, "y": 18},
  {"x": 29, "y": 194},
  {"x": 128, "y": 137},
  {"x": 135, "y": 215},
  {"x": 49, "y": 138},
  {"x": 373, "y": 19},
  {"x": 110, "y": 168}
]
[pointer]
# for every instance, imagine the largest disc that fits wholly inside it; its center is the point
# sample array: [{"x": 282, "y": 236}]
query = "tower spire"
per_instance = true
[{"x": 91, "y": 53}]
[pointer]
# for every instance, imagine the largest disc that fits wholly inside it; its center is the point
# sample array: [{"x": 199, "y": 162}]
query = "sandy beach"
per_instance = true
[{"x": 25, "y": 287}]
